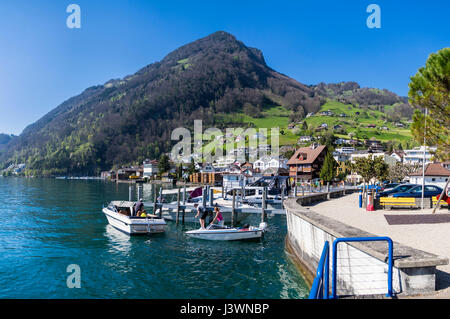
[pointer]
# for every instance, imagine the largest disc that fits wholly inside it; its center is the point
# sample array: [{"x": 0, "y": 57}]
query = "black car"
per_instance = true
[{"x": 399, "y": 189}]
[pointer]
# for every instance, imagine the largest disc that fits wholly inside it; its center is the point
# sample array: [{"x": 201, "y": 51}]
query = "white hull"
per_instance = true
[
  {"x": 226, "y": 234},
  {"x": 135, "y": 226}
]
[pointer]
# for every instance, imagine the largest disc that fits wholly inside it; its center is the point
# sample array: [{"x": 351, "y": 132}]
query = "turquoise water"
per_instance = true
[{"x": 48, "y": 224}]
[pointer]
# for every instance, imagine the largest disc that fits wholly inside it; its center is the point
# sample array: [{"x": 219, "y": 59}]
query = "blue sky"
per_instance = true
[{"x": 43, "y": 62}]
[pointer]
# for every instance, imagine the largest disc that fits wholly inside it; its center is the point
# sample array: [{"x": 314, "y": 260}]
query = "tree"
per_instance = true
[
  {"x": 163, "y": 164},
  {"x": 430, "y": 89},
  {"x": 399, "y": 171},
  {"x": 371, "y": 168},
  {"x": 328, "y": 171},
  {"x": 191, "y": 168}
]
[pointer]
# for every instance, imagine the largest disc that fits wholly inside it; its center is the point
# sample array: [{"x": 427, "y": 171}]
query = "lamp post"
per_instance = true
[{"x": 424, "y": 151}]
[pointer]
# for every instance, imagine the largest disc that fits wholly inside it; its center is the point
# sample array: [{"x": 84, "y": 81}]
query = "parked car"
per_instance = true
[
  {"x": 399, "y": 189},
  {"x": 390, "y": 186},
  {"x": 370, "y": 187},
  {"x": 430, "y": 191}
]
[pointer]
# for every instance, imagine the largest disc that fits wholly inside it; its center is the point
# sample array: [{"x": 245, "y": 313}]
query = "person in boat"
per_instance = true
[
  {"x": 139, "y": 208},
  {"x": 218, "y": 216},
  {"x": 204, "y": 214}
]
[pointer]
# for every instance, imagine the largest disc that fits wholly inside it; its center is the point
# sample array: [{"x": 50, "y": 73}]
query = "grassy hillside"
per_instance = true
[{"x": 356, "y": 121}]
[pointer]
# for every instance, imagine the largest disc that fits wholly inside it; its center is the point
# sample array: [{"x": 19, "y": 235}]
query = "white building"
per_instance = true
[
  {"x": 398, "y": 155},
  {"x": 346, "y": 150},
  {"x": 435, "y": 174},
  {"x": 415, "y": 155},
  {"x": 387, "y": 158},
  {"x": 305, "y": 139},
  {"x": 232, "y": 180},
  {"x": 266, "y": 162},
  {"x": 224, "y": 162},
  {"x": 150, "y": 168},
  {"x": 341, "y": 157}
]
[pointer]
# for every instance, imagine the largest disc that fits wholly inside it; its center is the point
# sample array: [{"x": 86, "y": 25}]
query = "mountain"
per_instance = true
[
  {"x": 217, "y": 79},
  {"x": 130, "y": 119},
  {"x": 4, "y": 140}
]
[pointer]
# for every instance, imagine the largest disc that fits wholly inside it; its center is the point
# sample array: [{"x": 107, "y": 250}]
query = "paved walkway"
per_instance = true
[{"x": 433, "y": 238}]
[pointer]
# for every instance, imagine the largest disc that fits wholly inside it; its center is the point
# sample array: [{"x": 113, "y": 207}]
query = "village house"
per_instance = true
[
  {"x": 415, "y": 155},
  {"x": 398, "y": 155},
  {"x": 306, "y": 163},
  {"x": 107, "y": 174},
  {"x": 446, "y": 165},
  {"x": 252, "y": 175},
  {"x": 150, "y": 168},
  {"x": 127, "y": 173},
  {"x": 266, "y": 162},
  {"x": 305, "y": 139},
  {"x": 233, "y": 180},
  {"x": 435, "y": 174},
  {"x": 391, "y": 161}
]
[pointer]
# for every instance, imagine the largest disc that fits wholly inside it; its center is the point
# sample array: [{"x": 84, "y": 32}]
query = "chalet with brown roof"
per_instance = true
[
  {"x": 435, "y": 174},
  {"x": 307, "y": 162}
]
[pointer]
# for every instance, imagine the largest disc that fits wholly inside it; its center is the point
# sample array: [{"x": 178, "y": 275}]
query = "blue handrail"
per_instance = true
[
  {"x": 319, "y": 289},
  {"x": 358, "y": 239}
]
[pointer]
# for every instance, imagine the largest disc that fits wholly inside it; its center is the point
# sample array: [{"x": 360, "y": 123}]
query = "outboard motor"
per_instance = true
[{"x": 263, "y": 225}]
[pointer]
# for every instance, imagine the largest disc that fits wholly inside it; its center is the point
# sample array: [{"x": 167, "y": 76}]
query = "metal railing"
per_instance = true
[{"x": 319, "y": 289}]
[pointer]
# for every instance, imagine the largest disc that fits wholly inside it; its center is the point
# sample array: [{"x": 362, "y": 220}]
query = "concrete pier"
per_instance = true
[{"x": 362, "y": 268}]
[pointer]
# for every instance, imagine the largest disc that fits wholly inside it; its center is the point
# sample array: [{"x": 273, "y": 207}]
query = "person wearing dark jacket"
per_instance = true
[{"x": 138, "y": 208}]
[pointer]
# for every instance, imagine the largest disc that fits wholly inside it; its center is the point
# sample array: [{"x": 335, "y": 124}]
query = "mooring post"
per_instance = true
[
  {"x": 160, "y": 201},
  {"x": 295, "y": 191},
  {"x": 211, "y": 197},
  {"x": 263, "y": 205},
  {"x": 182, "y": 216},
  {"x": 178, "y": 204},
  {"x": 155, "y": 196},
  {"x": 283, "y": 190},
  {"x": 204, "y": 194},
  {"x": 233, "y": 209},
  {"x": 130, "y": 193},
  {"x": 184, "y": 195},
  {"x": 223, "y": 189}
]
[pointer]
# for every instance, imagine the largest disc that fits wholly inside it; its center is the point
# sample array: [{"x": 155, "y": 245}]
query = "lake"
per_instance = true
[{"x": 48, "y": 224}]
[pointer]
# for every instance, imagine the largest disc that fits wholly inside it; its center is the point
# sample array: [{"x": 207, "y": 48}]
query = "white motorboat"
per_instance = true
[
  {"x": 216, "y": 232},
  {"x": 119, "y": 215}
]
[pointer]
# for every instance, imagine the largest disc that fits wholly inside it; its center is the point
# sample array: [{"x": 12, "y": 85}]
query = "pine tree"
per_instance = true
[{"x": 328, "y": 171}]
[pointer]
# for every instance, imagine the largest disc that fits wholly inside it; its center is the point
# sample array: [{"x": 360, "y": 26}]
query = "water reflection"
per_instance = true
[{"x": 117, "y": 241}]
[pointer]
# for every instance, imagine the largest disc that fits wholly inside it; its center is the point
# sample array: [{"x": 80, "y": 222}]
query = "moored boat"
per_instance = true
[
  {"x": 119, "y": 215},
  {"x": 216, "y": 232}
]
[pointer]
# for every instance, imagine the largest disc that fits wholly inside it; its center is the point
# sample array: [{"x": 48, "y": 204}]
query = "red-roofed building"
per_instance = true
[
  {"x": 435, "y": 174},
  {"x": 306, "y": 163}
]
